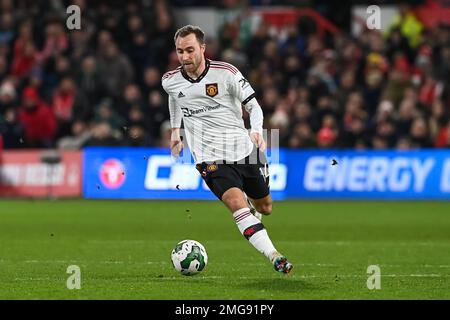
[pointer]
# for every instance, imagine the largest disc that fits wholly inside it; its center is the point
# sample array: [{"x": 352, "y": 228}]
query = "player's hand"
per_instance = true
[
  {"x": 176, "y": 145},
  {"x": 258, "y": 140}
]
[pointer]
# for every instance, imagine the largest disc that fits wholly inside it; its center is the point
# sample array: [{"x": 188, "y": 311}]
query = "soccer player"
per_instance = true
[{"x": 208, "y": 95}]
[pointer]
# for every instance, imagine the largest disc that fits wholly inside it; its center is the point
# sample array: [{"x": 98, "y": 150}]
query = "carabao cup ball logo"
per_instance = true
[{"x": 112, "y": 173}]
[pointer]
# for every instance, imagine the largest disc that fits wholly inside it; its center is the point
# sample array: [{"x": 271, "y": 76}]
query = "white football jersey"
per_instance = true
[{"x": 212, "y": 112}]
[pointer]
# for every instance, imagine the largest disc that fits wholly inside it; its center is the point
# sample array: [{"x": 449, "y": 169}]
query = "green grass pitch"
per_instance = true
[{"x": 123, "y": 250}]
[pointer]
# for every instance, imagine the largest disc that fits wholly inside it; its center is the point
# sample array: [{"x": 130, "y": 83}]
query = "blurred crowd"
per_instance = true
[
  {"x": 100, "y": 86},
  {"x": 378, "y": 90},
  {"x": 97, "y": 86}
]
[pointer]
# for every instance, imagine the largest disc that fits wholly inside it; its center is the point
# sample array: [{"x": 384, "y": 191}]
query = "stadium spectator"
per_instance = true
[
  {"x": 403, "y": 144},
  {"x": 326, "y": 138},
  {"x": 37, "y": 119},
  {"x": 157, "y": 111},
  {"x": 3, "y": 67},
  {"x": 8, "y": 96},
  {"x": 302, "y": 137},
  {"x": 131, "y": 97},
  {"x": 115, "y": 69},
  {"x": 105, "y": 113},
  {"x": 80, "y": 134},
  {"x": 443, "y": 137},
  {"x": 103, "y": 135},
  {"x": 12, "y": 130},
  {"x": 136, "y": 133},
  {"x": 409, "y": 26},
  {"x": 438, "y": 119},
  {"x": 151, "y": 80},
  {"x": 89, "y": 80},
  {"x": 419, "y": 133},
  {"x": 56, "y": 42},
  {"x": 406, "y": 114},
  {"x": 7, "y": 32},
  {"x": 25, "y": 54},
  {"x": 68, "y": 104}
]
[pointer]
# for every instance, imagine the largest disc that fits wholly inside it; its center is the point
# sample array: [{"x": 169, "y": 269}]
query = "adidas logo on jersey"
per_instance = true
[{"x": 180, "y": 95}]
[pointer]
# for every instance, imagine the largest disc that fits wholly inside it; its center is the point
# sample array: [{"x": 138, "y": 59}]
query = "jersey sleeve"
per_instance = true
[
  {"x": 241, "y": 88},
  {"x": 256, "y": 116},
  {"x": 175, "y": 112}
]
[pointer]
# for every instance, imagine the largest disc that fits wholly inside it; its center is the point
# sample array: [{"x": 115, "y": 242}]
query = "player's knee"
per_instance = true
[
  {"x": 233, "y": 203},
  {"x": 265, "y": 208}
]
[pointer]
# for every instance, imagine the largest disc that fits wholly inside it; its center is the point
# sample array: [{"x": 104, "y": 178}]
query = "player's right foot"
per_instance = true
[{"x": 281, "y": 264}]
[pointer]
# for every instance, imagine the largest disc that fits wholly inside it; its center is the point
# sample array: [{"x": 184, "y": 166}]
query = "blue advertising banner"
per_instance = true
[
  {"x": 423, "y": 174},
  {"x": 151, "y": 173}
]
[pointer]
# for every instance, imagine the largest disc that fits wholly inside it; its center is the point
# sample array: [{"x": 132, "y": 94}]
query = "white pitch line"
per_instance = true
[
  {"x": 416, "y": 265},
  {"x": 259, "y": 278},
  {"x": 51, "y": 261},
  {"x": 398, "y": 275},
  {"x": 33, "y": 279},
  {"x": 305, "y": 243},
  {"x": 442, "y": 266},
  {"x": 167, "y": 262},
  {"x": 368, "y": 243},
  {"x": 316, "y": 276}
]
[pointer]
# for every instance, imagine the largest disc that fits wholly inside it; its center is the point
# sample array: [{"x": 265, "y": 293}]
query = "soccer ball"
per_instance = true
[{"x": 189, "y": 257}]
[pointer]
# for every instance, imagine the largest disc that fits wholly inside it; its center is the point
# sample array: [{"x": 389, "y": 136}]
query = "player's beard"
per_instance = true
[{"x": 192, "y": 67}]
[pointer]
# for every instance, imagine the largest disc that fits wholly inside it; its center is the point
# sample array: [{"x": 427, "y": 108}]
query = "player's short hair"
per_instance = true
[{"x": 187, "y": 30}]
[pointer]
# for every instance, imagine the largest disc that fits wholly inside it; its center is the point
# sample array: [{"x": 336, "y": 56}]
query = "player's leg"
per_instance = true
[
  {"x": 252, "y": 208},
  {"x": 256, "y": 172},
  {"x": 226, "y": 183},
  {"x": 249, "y": 226},
  {"x": 263, "y": 205},
  {"x": 256, "y": 186},
  {"x": 234, "y": 199},
  {"x": 253, "y": 230}
]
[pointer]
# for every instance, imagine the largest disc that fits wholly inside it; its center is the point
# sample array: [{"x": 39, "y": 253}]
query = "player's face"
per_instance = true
[{"x": 190, "y": 52}]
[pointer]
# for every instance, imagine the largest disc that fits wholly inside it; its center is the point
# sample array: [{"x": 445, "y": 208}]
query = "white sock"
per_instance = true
[{"x": 259, "y": 239}]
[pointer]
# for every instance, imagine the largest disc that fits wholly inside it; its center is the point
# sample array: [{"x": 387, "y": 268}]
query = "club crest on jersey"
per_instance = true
[{"x": 212, "y": 89}]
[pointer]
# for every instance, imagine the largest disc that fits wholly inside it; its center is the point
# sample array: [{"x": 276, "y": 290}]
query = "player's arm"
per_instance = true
[
  {"x": 244, "y": 92},
  {"x": 176, "y": 145},
  {"x": 256, "y": 123}
]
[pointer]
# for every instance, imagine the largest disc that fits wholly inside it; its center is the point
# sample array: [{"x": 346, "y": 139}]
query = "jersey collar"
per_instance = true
[{"x": 185, "y": 75}]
